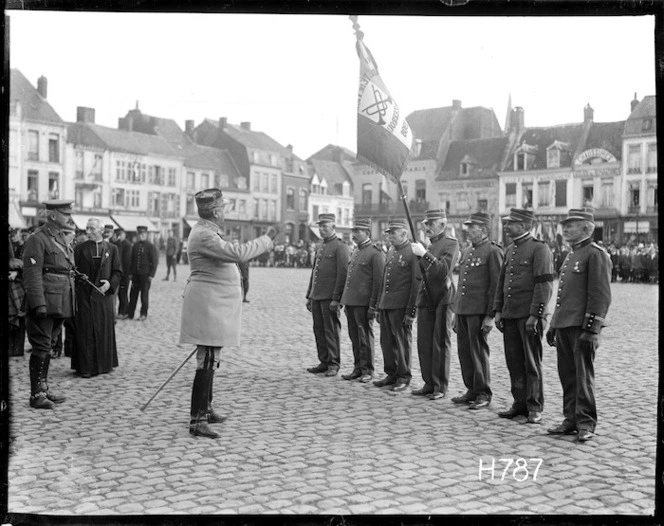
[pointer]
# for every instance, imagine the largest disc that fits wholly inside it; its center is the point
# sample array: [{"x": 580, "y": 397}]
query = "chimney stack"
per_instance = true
[
  {"x": 456, "y": 104},
  {"x": 246, "y": 125},
  {"x": 588, "y": 113},
  {"x": 518, "y": 118},
  {"x": 42, "y": 86},
  {"x": 222, "y": 122},
  {"x": 84, "y": 114},
  {"x": 634, "y": 103},
  {"x": 188, "y": 127},
  {"x": 126, "y": 123}
]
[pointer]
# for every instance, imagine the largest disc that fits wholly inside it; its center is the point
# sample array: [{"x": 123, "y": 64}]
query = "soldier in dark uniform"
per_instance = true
[
  {"x": 360, "y": 297},
  {"x": 584, "y": 297},
  {"x": 522, "y": 295},
  {"x": 397, "y": 306},
  {"x": 434, "y": 315},
  {"x": 473, "y": 305},
  {"x": 124, "y": 251},
  {"x": 326, "y": 286},
  {"x": 144, "y": 261},
  {"x": 48, "y": 279}
]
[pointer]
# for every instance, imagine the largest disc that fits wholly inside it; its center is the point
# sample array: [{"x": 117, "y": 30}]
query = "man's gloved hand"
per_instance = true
[
  {"x": 588, "y": 341},
  {"x": 308, "y": 304},
  {"x": 12, "y": 275},
  {"x": 487, "y": 325},
  {"x": 105, "y": 285},
  {"x": 39, "y": 312},
  {"x": 408, "y": 321},
  {"x": 272, "y": 231},
  {"x": 532, "y": 325},
  {"x": 334, "y": 306},
  {"x": 371, "y": 313},
  {"x": 418, "y": 249},
  {"x": 149, "y": 279},
  {"x": 498, "y": 318},
  {"x": 551, "y": 337}
]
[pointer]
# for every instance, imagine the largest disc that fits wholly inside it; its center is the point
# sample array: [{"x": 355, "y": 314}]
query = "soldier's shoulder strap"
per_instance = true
[
  {"x": 598, "y": 247},
  {"x": 497, "y": 244}
]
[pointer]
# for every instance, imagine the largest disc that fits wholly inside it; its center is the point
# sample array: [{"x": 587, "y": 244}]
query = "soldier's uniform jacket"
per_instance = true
[
  {"x": 48, "y": 272},
  {"x": 584, "y": 290},
  {"x": 329, "y": 273},
  {"x": 525, "y": 284},
  {"x": 479, "y": 270},
  {"x": 144, "y": 259},
  {"x": 124, "y": 251},
  {"x": 365, "y": 274},
  {"x": 401, "y": 280},
  {"x": 436, "y": 266}
]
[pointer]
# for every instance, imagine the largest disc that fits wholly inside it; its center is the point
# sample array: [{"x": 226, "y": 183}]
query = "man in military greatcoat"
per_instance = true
[
  {"x": 360, "y": 297},
  {"x": 479, "y": 270},
  {"x": 144, "y": 261},
  {"x": 48, "y": 279},
  {"x": 212, "y": 308},
  {"x": 434, "y": 315},
  {"x": 582, "y": 303},
  {"x": 124, "y": 252},
  {"x": 397, "y": 307},
  {"x": 524, "y": 289},
  {"x": 326, "y": 286}
]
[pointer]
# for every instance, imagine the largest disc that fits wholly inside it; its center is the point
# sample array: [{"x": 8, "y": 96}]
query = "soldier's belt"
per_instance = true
[{"x": 64, "y": 272}]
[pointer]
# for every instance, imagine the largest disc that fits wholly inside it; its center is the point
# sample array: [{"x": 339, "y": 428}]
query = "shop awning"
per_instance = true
[
  {"x": 81, "y": 220},
  {"x": 15, "y": 218},
  {"x": 129, "y": 223},
  {"x": 633, "y": 227},
  {"x": 314, "y": 229}
]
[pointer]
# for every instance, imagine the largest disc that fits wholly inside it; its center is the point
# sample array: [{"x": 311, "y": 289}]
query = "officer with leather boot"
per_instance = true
[
  {"x": 48, "y": 279},
  {"x": 212, "y": 308}
]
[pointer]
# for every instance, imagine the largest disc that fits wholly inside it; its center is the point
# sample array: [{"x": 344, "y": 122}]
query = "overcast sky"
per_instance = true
[{"x": 295, "y": 77}]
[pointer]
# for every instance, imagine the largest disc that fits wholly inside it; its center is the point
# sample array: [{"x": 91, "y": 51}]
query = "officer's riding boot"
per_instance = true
[
  {"x": 200, "y": 395},
  {"x": 38, "y": 399},
  {"x": 53, "y": 397},
  {"x": 213, "y": 416}
]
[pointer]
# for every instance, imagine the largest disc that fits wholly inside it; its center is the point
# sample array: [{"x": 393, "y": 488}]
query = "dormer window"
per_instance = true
[
  {"x": 521, "y": 161},
  {"x": 553, "y": 158},
  {"x": 524, "y": 157},
  {"x": 556, "y": 154},
  {"x": 465, "y": 166},
  {"x": 647, "y": 125},
  {"x": 465, "y": 169}
]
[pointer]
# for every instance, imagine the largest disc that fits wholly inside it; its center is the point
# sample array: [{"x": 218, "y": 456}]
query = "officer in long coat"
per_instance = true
[
  {"x": 48, "y": 279},
  {"x": 326, "y": 285},
  {"x": 582, "y": 303},
  {"x": 212, "y": 307},
  {"x": 434, "y": 315},
  {"x": 524, "y": 289},
  {"x": 360, "y": 298},
  {"x": 397, "y": 307},
  {"x": 144, "y": 262},
  {"x": 479, "y": 270}
]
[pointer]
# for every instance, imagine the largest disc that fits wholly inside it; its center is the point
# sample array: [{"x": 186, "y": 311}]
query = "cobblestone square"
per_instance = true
[{"x": 301, "y": 443}]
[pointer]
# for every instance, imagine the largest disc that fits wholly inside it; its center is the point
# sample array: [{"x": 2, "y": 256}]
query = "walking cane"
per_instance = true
[{"x": 169, "y": 378}]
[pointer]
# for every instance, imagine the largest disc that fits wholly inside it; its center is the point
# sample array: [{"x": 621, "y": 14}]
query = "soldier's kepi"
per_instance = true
[{"x": 48, "y": 279}]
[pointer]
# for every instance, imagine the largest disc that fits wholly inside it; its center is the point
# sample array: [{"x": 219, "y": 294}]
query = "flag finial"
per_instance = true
[{"x": 358, "y": 33}]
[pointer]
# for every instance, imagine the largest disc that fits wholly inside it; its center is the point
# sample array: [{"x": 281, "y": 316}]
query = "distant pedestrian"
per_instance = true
[
  {"x": 171, "y": 256},
  {"x": 434, "y": 298},
  {"x": 326, "y": 286},
  {"x": 360, "y": 299},
  {"x": 144, "y": 262},
  {"x": 212, "y": 308},
  {"x": 584, "y": 297},
  {"x": 479, "y": 271},
  {"x": 397, "y": 307},
  {"x": 522, "y": 295}
]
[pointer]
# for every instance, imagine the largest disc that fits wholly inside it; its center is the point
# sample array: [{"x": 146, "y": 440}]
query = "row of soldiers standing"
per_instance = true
[{"x": 509, "y": 289}]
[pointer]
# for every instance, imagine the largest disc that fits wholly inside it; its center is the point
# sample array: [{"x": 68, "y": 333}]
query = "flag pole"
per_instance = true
[{"x": 408, "y": 216}]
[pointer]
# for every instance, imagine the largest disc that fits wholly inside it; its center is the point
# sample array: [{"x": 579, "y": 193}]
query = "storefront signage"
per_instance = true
[
  {"x": 593, "y": 153},
  {"x": 598, "y": 172}
]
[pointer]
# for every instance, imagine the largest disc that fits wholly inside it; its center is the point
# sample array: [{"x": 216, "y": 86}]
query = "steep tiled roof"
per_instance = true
[
  {"x": 331, "y": 151},
  {"x": 483, "y": 155},
  {"x": 544, "y": 137},
  {"x": 608, "y": 136},
  {"x": 208, "y": 158},
  {"x": 254, "y": 139},
  {"x": 33, "y": 106},
  {"x": 80, "y": 134},
  {"x": 646, "y": 109},
  {"x": 429, "y": 125},
  {"x": 333, "y": 173},
  {"x": 132, "y": 142}
]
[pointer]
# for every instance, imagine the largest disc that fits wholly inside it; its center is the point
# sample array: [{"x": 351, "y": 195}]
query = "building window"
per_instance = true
[
  {"x": 634, "y": 159},
  {"x": 652, "y": 198},
  {"x": 465, "y": 169},
  {"x": 553, "y": 158},
  {"x": 33, "y": 185},
  {"x": 171, "y": 177},
  {"x": 482, "y": 205},
  {"x": 290, "y": 198},
  {"x": 205, "y": 181},
  {"x": 97, "y": 168},
  {"x": 561, "y": 192},
  {"x": 302, "y": 205},
  {"x": 634, "y": 198},
  {"x": 543, "y": 193},
  {"x": 647, "y": 125},
  {"x": 53, "y": 185},
  {"x": 527, "y": 195},
  {"x": 265, "y": 183},
  {"x": 241, "y": 183},
  {"x": 607, "y": 195},
  {"x": 53, "y": 148},
  {"x": 79, "y": 173},
  {"x": 222, "y": 180},
  {"x": 33, "y": 145},
  {"x": 651, "y": 166},
  {"x": 314, "y": 212},
  {"x": 154, "y": 202},
  {"x": 273, "y": 184},
  {"x": 120, "y": 170},
  {"x": 510, "y": 194},
  {"x": 119, "y": 197},
  {"x": 264, "y": 208},
  {"x": 366, "y": 194},
  {"x": 242, "y": 207},
  {"x": 272, "y": 210},
  {"x": 132, "y": 199},
  {"x": 323, "y": 188},
  {"x": 421, "y": 190},
  {"x": 96, "y": 198},
  {"x": 191, "y": 181},
  {"x": 257, "y": 182},
  {"x": 588, "y": 195},
  {"x": 520, "y": 163}
]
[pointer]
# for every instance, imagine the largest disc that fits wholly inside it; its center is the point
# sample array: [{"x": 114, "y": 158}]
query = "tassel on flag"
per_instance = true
[{"x": 384, "y": 138}]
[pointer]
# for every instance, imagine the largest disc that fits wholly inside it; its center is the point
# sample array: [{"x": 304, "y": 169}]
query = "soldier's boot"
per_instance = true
[
  {"x": 213, "y": 416},
  {"x": 53, "y": 397},
  {"x": 38, "y": 399},
  {"x": 200, "y": 396}
]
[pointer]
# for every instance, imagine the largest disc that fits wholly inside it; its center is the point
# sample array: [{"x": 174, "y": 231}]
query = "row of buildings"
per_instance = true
[{"x": 147, "y": 170}]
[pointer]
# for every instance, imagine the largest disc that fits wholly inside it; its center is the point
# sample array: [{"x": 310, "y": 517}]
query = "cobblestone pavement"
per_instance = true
[{"x": 296, "y": 443}]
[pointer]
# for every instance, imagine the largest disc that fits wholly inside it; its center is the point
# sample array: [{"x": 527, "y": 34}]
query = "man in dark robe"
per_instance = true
[{"x": 95, "y": 351}]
